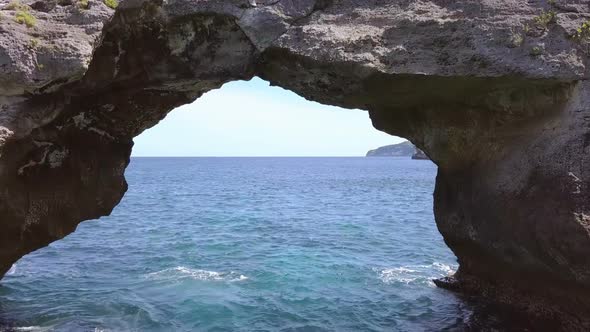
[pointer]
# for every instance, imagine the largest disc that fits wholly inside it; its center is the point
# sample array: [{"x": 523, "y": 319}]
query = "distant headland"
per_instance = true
[{"x": 404, "y": 149}]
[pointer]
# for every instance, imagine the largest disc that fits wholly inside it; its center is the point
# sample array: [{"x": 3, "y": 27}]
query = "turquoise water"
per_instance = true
[{"x": 265, "y": 244}]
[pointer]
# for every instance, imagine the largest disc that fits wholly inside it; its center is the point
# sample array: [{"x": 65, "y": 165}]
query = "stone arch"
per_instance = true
[{"x": 507, "y": 129}]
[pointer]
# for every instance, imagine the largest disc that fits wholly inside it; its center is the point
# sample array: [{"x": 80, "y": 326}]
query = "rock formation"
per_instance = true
[
  {"x": 404, "y": 149},
  {"x": 494, "y": 91}
]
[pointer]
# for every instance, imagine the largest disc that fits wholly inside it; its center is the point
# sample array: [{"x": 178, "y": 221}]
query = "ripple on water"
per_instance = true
[{"x": 182, "y": 272}]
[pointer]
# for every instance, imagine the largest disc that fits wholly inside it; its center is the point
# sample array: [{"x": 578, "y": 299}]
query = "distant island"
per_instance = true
[{"x": 404, "y": 149}]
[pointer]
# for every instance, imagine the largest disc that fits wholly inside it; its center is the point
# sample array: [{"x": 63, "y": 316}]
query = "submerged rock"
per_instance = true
[{"x": 494, "y": 91}]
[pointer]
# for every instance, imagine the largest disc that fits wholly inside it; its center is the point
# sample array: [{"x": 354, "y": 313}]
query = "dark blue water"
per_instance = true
[{"x": 223, "y": 244}]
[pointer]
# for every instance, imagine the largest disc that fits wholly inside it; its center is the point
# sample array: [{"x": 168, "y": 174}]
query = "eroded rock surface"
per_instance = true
[{"x": 494, "y": 91}]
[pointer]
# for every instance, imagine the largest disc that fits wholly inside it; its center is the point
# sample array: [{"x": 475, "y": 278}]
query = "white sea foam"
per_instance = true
[
  {"x": 12, "y": 270},
  {"x": 182, "y": 272},
  {"x": 415, "y": 274},
  {"x": 444, "y": 268},
  {"x": 241, "y": 278},
  {"x": 398, "y": 274},
  {"x": 31, "y": 328}
]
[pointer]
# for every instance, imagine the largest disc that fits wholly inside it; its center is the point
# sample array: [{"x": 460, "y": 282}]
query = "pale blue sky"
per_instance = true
[{"x": 254, "y": 119}]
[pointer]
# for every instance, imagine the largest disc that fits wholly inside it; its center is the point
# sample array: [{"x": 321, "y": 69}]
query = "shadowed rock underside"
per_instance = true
[{"x": 495, "y": 96}]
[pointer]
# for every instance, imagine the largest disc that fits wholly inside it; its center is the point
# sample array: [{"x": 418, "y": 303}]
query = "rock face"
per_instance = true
[
  {"x": 404, "y": 149},
  {"x": 494, "y": 91}
]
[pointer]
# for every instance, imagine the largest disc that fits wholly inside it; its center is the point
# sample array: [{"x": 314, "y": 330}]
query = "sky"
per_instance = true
[{"x": 251, "y": 118}]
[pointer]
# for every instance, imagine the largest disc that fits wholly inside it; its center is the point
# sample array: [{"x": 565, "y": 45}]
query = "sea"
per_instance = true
[{"x": 248, "y": 244}]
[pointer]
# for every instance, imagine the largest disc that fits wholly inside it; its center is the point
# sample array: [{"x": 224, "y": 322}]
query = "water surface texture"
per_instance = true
[{"x": 224, "y": 244}]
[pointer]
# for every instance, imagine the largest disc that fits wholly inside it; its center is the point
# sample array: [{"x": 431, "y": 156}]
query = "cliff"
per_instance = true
[
  {"x": 494, "y": 91},
  {"x": 404, "y": 149}
]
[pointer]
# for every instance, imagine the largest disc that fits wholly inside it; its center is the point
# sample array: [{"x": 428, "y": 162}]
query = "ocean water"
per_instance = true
[{"x": 248, "y": 244}]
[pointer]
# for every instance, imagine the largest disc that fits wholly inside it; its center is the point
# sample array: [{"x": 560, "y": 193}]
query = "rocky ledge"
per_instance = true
[{"x": 495, "y": 92}]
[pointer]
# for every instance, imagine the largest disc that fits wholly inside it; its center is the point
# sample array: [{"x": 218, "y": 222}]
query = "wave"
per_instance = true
[
  {"x": 182, "y": 272},
  {"x": 415, "y": 274},
  {"x": 444, "y": 268}
]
